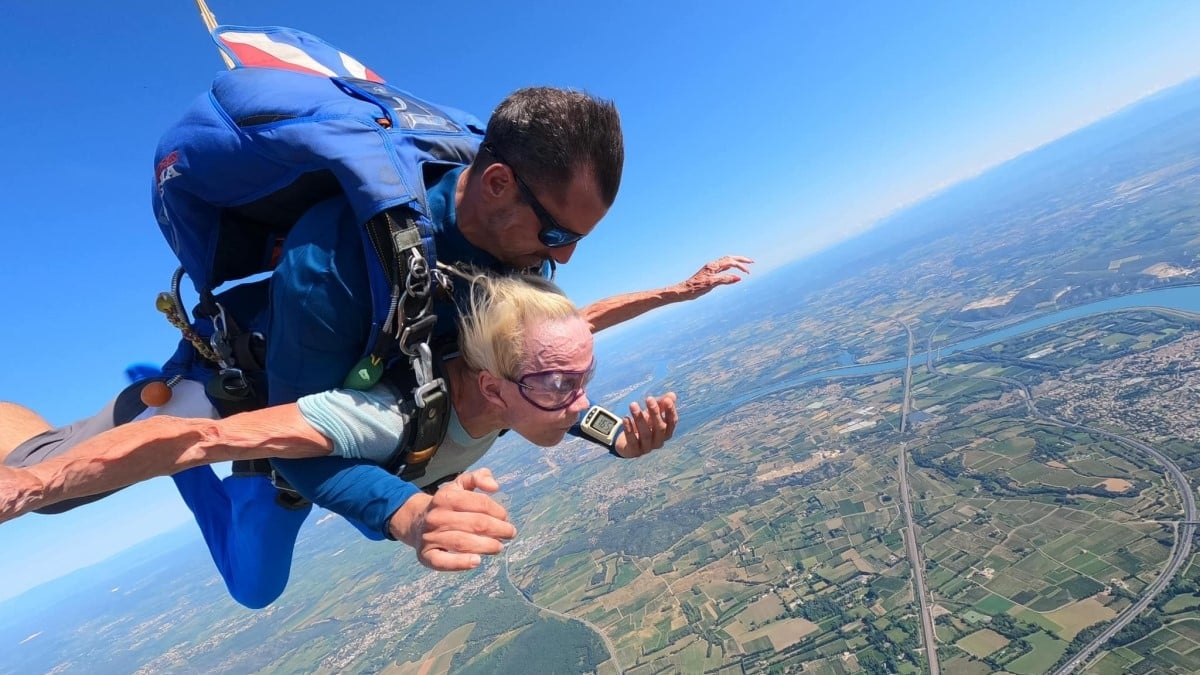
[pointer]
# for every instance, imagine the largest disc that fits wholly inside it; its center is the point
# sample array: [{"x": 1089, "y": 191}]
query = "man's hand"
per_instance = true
[
  {"x": 648, "y": 429},
  {"x": 714, "y": 274},
  {"x": 20, "y": 492},
  {"x": 457, "y": 525}
]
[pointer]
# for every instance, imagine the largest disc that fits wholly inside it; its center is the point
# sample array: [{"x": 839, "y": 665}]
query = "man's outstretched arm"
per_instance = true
[
  {"x": 159, "y": 446},
  {"x": 609, "y": 312}
]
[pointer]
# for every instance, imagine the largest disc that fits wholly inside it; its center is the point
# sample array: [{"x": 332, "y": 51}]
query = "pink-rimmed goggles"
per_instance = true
[{"x": 553, "y": 390}]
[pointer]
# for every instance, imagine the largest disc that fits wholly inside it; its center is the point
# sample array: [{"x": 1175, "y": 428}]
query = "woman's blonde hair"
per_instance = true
[{"x": 499, "y": 311}]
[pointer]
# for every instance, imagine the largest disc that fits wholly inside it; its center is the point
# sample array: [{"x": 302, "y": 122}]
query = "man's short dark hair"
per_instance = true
[{"x": 548, "y": 134}]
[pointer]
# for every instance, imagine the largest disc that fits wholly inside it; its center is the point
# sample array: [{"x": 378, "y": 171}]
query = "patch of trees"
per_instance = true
[
  {"x": 820, "y": 608},
  {"x": 1011, "y": 652},
  {"x": 1179, "y": 586},
  {"x": 555, "y": 646},
  {"x": 1138, "y": 628},
  {"x": 647, "y": 535},
  {"x": 1003, "y": 485},
  {"x": 884, "y": 656},
  {"x": 619, "y": 512},
  {"x": 493, "y": 617},
  {"x": 875, "y": 662},
  {"x": 951, "y": 468},
  {"x": 1011, "y": 628},
  {"x": 569, "y": 548}
]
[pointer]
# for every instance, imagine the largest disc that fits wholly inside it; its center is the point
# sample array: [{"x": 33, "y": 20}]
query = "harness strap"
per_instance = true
[
  {"x": 238, "y": 385},
  {"x": 285, "y": 496},
  {"x": 428, "y": 423},
  {"x": 396, "y": 237},
  {"x": 429, "y": 429},
  {"x": 250, "y": 351}
]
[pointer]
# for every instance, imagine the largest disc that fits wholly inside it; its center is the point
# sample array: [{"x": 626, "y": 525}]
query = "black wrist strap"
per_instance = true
[
  {"x": 599, "y": 426},
  {"x": 577, "y": 432}
]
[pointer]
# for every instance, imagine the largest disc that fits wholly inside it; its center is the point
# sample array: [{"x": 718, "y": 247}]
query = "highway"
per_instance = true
[
  {"x": 906, "y": 405},
  {"x": 928, "y": 636},
  {"x": 918, "y": 567}
]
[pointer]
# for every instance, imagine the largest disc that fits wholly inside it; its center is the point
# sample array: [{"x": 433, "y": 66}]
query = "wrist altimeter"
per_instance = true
[{"x": 600, "y": 426}]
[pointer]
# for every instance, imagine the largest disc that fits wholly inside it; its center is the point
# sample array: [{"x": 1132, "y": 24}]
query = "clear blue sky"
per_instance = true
[{"x": 769, "y": 129}]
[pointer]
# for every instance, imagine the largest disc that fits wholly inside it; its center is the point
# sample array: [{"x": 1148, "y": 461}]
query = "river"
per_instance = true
[{"x": 1179, "y": 298}]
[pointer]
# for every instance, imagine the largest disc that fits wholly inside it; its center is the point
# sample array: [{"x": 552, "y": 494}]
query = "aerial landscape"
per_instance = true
[{"x": 963, "y": 442}]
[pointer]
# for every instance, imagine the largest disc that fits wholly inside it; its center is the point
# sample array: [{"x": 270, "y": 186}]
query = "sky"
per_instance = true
[{"x": 770, "y": 129}]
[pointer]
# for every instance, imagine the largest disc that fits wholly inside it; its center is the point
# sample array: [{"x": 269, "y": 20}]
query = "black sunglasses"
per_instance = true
[{"x": 552, "y": 235}]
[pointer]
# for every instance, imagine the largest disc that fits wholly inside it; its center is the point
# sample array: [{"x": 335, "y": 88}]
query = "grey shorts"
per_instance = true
[
  {"x": 124, "y": 408},
  {"x": 188, "y": 401}
]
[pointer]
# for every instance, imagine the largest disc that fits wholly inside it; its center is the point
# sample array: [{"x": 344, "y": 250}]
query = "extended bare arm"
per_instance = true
[
  {"x": 159, "y": 446},
  {"x": 620, "y": 308}
]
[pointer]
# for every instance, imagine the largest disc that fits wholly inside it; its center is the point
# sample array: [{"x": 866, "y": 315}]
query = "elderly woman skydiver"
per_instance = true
[{"x": 525, "y": 358}]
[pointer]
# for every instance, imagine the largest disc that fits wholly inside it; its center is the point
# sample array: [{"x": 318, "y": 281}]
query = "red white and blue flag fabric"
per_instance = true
[{"x": 288, "y": 49}]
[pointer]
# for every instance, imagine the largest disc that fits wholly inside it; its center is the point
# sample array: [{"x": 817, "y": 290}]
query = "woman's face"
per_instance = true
[{"x": 557, "y": 367}]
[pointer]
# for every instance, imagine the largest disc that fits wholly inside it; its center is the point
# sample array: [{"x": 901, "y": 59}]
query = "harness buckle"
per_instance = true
[
  {"x": 420, "y": 393},
  {"x": 417, "y": 280},
  {"x": 286, "y": 496},
  {"x": 421, "y": 456},
  {"x": 230, "y": 384},
  {"x": 220, "y": 338},
  {"x": 416, "y": 335}
]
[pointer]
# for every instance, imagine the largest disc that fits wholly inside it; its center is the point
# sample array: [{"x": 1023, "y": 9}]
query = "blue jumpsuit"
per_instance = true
[{"x": 318, "y": 325}]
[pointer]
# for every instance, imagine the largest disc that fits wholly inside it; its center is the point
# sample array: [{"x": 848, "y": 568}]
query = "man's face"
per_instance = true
[
  {"x": 562, "y": 346},
  {"x": 577, "y": 208}
]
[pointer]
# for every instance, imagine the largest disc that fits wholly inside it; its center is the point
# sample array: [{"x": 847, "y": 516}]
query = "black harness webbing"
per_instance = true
[
  {"x": 427, "y": 424},
  {"x": 409, "y": 328},
  {"x": 239, "y": 386}
]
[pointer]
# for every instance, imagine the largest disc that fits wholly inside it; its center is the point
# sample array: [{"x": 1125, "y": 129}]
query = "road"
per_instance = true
[
  {"x": 928, "y": 636},
  {"x": 906, "y": 405},
  {"x": 1184, "y": 531},
  {"x": 918, "y": 566},
  {"x": 1179, "y": 551}
]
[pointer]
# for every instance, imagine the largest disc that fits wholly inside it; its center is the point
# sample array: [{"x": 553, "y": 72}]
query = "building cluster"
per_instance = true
[{"x": 1151, "y": 393}]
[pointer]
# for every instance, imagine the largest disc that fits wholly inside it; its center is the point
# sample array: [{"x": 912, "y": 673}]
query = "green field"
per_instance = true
[
  {"x": 993, "y": 604},
  {"x": 1046, "y": 651},
  {"x": 982, "y": 643}
]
